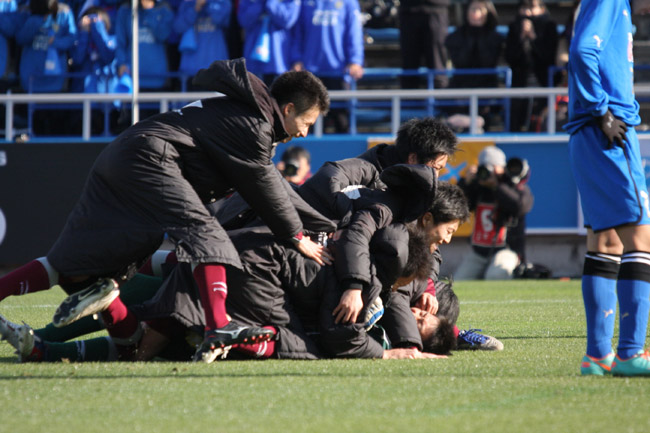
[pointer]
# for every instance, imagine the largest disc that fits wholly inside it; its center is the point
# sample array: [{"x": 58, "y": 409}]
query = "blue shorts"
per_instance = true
[{"x": 611, "y": 182}]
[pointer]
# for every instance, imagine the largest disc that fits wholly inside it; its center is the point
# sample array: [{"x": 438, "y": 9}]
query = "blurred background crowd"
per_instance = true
[{"x": 47, "y": 46}]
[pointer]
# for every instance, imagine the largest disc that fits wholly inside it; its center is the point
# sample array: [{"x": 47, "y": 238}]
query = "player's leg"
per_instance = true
[
  {"x": 154, "y": 266},
  {"x": 633, "y": 289},
  {"x": 601, "y": 267},
  {"x": 220, "y": 332},
  {"x": 31, "y": 348},
  {"x": 32, "y": 277},
  {"x": 613, "y": 193}
]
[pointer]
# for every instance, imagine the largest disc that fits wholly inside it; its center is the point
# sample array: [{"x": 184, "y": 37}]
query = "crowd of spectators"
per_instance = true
[{"x": 85, "y": 46}]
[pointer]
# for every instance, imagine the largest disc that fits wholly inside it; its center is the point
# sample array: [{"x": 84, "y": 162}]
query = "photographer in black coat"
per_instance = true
[{"x": 500, "y": 198}]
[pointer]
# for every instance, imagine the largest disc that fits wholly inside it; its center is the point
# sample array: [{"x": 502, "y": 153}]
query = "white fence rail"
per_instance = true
[{"x": 395, "y": 96}]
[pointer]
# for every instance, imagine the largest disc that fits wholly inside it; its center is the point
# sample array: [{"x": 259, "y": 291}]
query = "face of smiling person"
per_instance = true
[
  {"x": 297, "y": 125},
  {"x": 427, "y": 322},
  {"x": 437, "y": 164},
  {"x": 438, "y": 234}
]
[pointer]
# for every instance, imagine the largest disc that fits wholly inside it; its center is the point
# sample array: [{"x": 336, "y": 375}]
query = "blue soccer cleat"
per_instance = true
[
  {"x": 638, "y": 365},
  {"x": 591, "y": 366},
  {"x": 470, "y": 339}
]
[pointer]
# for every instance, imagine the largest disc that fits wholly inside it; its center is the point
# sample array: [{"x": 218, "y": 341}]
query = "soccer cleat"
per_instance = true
[
  {"x": 30, "y": 347},
  {"x": 9, "y": 331},
  {"x": 470, "y": 339},
  {"x": 638, "y": 365},
  {"x": 96, "y": 298},
  {"x": 218, "y": 342},
  {"x": 591, "y": 366}
]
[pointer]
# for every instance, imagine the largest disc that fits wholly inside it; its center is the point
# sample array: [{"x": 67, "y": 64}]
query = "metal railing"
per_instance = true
[{"x": 394, "y": 96}]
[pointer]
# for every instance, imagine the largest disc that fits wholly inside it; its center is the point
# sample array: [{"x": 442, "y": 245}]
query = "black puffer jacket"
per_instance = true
[
  {"x": 388, "y": 253},
  {"x": 227, "y": 143},
  {"x": 409, "y": 194},
  {"x": 398, "y": 320},
  {"x": 324, "y": 189}
]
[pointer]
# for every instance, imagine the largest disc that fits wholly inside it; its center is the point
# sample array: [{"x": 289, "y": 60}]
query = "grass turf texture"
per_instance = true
[{"x": 532, "y": 386}]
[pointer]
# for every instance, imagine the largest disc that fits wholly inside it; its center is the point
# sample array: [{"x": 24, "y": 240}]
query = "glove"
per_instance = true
[{"x": 613, "y": 128}]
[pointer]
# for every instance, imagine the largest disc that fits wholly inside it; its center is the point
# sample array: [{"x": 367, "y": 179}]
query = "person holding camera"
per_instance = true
[{"x": 499, "y": 196}]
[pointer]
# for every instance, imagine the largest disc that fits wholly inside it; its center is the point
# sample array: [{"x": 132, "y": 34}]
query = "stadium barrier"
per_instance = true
[{"x": 164, "y": 99}]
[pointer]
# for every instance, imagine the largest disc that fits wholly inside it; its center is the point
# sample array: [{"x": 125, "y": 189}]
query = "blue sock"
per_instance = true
[
  {"x": 633, "y": 290},
  {"x": 599, "y": 296}
]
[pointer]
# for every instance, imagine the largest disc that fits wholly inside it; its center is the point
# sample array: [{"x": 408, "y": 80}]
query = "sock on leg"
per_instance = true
[
  {"x": 599, "y": 296},
  {"x": 35, "y": 276},
  {"x": 96, "y": 349},
  {"x": 633, "y": 291},
  {"x": 153, "y": 266},
  {"x": 83, "y": 326},
  {"x": 211, "y": 280},
  {"x": 120, "y": 322}
]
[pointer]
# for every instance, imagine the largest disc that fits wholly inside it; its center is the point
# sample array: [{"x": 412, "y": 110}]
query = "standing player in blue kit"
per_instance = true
[{"x": 606, "y": 161}]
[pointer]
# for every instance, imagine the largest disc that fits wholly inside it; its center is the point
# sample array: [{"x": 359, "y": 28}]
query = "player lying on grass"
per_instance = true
[
  {"x": 410, "y": 190},
  {"x": 257, "y": 297},
  {"x": 400, "y": 202}
]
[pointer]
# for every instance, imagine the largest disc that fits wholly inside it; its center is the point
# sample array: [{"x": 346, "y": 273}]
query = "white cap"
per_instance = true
[{"x": 492, "y": 156}]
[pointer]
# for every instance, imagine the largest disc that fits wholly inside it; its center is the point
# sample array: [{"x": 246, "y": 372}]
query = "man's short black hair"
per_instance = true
[
  {"x": 420, "y": 258},
  {"x": 449, "y": 204},
  {"x": 295, "y": 152},
  {"x": 442, "y": 340},
  {"x": 448, "y": 305},
  {"x": 428, "y": 138},
  {"x": 303, "y": 89}
]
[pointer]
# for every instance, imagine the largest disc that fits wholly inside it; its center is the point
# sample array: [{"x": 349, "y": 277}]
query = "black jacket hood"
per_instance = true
[{"x": 231, "y": 78}]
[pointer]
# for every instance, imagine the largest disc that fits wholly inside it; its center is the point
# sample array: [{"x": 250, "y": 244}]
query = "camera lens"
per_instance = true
[
  {"x": 291, "y": 168},
  {"x": 483, "y": 173},
  {"x": 514, "y": 167}
]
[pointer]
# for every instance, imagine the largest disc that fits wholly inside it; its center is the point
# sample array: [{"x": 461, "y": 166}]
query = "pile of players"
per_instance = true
[{"x": 346, "y": 265}]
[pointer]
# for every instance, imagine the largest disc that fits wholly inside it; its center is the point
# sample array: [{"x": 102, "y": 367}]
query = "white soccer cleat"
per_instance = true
[{"x": 10, "y": 331}]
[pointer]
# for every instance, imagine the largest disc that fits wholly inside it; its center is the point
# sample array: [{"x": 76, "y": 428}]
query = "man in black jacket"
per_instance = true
[
  {"x": 331, "y": 190},
  {"x": 156, "y": 178}
]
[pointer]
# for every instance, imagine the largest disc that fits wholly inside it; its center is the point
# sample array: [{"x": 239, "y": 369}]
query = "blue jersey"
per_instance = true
[
  {"x": 45, "y": 41},
  {"x": 610, "y": 178},
  {"x": 601, "y": 64},
  {"x": 208, "y": 25},
  {"x": 328, "y": 35},
  {"x": 154, "y": 26},
  {"x": 282, "y": 16},
  {"x": 93, "y": 56},
  {"x": 8, "y": 20}
]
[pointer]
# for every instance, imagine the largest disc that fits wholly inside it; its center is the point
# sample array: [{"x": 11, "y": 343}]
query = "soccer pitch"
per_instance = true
[{"x": 532, "y": 386}]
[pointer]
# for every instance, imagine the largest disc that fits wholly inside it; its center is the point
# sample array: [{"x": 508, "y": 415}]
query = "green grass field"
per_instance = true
[{"x": 532, "y": 386}]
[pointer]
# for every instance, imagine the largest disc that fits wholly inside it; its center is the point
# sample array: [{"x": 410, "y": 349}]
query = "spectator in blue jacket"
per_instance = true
[
  {"x": 93, "y": 65},
  {"x": 328, "y": 41},
  {"x": 267, "y": 36},
  {"x": 46, "y": 36},
  {"x": 93, "y": 54},
  {"x": 8, "y": 21},
  {"x": 155, "y": 25},
  {"x": 109, "y": 6},
  {"x": 202, "y": 24}
]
